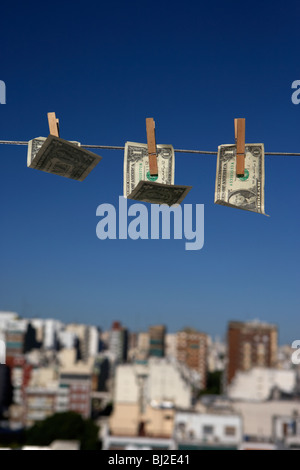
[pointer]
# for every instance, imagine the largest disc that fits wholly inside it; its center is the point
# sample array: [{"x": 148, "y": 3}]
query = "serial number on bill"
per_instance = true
[{"x": 170, "y": 459}]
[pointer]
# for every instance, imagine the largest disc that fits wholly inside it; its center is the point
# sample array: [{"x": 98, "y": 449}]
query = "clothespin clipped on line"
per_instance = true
[
  {"x": 53, "y": 124},
  {"x": 239, "y": 131},
  {"x": 152, "y": 153}
]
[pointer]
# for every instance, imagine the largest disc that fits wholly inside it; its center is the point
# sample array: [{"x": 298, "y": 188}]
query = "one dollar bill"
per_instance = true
[
  {"x": 136, "y": 165},
  {"x": 247, "y": 192},
  {"x": 61, "y": 157},
  {"x": 141, "y": 186},
  {"x": 157, "y": 193}
]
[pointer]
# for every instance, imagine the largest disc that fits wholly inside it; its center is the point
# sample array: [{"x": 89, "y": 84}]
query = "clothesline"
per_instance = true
[{"x": 113, "y": 147}]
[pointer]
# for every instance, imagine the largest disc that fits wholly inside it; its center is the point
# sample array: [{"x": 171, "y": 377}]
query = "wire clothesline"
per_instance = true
[{"x": 114, "y": 147}]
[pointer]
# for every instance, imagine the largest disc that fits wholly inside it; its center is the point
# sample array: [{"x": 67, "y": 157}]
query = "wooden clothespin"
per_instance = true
[
  {"x": 239, "y": 131},
  {"x": 152, "y": 153},
  {"x": 53, "y": 124}
]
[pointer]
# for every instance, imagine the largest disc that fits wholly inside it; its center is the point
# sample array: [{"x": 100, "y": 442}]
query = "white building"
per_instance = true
[
  {"x": 216, "y": 353},
  {"x": 156, "y": 381},
  {"x": 19, "y": 325},
  {"x": 51, "y": 329},
  {"x": 93, "y": 341},
  {"x": 117, "y": 343},
  {"x": 258, "y": 383},
  {"x": 258, "y": 417},
  {"x": 171, "y": 345},
  {"x": 42, "y": 402},
  {"x": 143, "y": 345},
  {"x": 38, "y": 324},
  {"x": 284, "y": 355},
  {"x": 2, "y": 351},
  {"x": 208, "y": 428},
  {"x": 11, "y": 322},
  {"x": 67, "y": 339},
  {"x": 81, "y": 333},
  {"x": 5, "y": 318},
  {"x": 166, "y": 383},
  {"x": 286, "y": 429}
]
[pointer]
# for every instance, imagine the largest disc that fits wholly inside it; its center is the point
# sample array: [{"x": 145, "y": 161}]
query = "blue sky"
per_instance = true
[{"x": 104, "y": 67}]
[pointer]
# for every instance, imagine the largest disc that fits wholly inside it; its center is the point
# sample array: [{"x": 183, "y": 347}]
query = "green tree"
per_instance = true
[
  {"x": 65, "y": 426},
  {"x": 213, "y": 384}
]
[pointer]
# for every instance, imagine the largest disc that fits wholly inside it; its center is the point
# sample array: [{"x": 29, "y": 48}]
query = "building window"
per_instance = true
[
  {"x": 230, "y": 430},
  {"x": 208, "y": 430}
]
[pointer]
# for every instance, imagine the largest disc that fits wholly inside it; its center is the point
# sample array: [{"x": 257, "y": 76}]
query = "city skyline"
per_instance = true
[
  {"x": 150, "y": 388},
  {"x": 222, "y": 337}
]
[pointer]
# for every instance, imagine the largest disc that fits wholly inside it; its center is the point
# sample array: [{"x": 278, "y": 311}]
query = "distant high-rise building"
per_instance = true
[
  {"x": 132, "y": 346},
  {"x": 143, "y": 346},
  {"x": 39, "y": 404},
  {"x": 93, "y": 341},
  {"x": 171, "y": 345},
  {"x": 38, "y": 325},
  {"x": 192, "y": 351},
  {"x": 118, "y": 342},
  {"x": 132, "y": 340},
  {"x": 157, "y": 334},
  {"x": 51, "y": 329},
  {"x": 79, "y": 385},
  {"x": 86, "y": 339},
  {"x": 2, "y": 348},
  {"x": 66, "y": 339},
  {"x": 6, "y": 318},
  {"x": 216, "y": 354},
  {"x": 15, "y": 337},
  {"x": 250, "y": 344}
]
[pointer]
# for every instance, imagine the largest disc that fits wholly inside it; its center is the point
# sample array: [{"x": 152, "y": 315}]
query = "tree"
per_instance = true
[
  {"x": 65, "y": 426},
  {"x": 213, "y": 384}
]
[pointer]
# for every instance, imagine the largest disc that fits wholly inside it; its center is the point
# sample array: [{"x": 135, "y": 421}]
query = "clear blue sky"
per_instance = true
[{"x": 104, "y": 67}]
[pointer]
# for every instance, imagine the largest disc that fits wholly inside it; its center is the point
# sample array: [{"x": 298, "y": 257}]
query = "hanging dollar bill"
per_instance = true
[
  {"x": 136, "y": 165},
  {"x": 159, "y": 193},
  {"x": 245, "y": 192},
  {"x": 137, "y": 178},
  {"x": 61, "y": 157}
]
